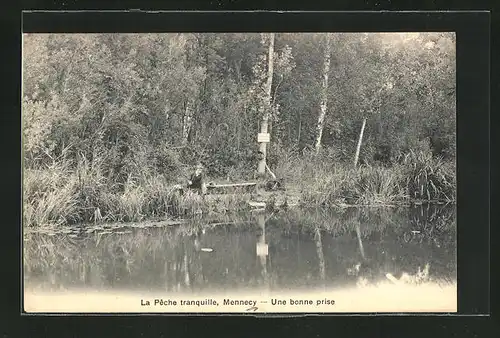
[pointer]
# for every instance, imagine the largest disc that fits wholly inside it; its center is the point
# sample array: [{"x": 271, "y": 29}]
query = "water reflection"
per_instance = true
[
  {"x": 284, "y": 251},
  {"x": 319, "y": 251},
  {"x": 261, "y": 248}
]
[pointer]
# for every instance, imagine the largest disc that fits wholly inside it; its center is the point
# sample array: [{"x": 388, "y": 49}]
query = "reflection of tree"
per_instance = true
[
  {"x": 166, "y": 275},
  {"x": 360, "y": 241},
  {"x": 116, "y": 269},
  {"x": 319, "y": 251},
  {"x": 196, "y": 262},
  {"x": 187, "y": 280},
  {"x": 170, "y": 258},
  {"x": 262, "y": 245}
]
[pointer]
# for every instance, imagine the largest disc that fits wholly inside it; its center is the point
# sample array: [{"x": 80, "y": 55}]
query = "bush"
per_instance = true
[
  {"x": 64, "y": 193},
  {"x": 417, "y": 176},
  {"x": 49, "y": 196},
  {"x": 380, "y": 185},
  {"x": 429, "y": 178}
]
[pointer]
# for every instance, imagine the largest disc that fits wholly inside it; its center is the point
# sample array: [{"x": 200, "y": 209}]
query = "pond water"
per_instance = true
[{"x": 364, "y": 259}]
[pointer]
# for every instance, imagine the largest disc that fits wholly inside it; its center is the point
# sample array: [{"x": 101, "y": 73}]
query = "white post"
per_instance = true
[
  {"x": 265, "y": 119},
  {"x": 359, "y": 143},
  {"x": 324, "y": 94}
]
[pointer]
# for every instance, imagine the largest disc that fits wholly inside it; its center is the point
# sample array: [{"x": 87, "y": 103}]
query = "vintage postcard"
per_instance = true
[{"x": 239, "y": 172}]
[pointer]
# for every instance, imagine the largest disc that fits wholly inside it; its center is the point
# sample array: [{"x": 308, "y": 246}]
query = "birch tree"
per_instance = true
[
  {"x": 266, "y": 103},
  {"x": 187, "y": 122},
  {"x": 205, "y": 97},
  {"x": 360, "y": 139},
  {"x": 324, "y": 93}
]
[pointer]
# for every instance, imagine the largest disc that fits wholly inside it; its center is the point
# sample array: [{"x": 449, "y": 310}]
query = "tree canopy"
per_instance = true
[{"x": 139, "y": 102}]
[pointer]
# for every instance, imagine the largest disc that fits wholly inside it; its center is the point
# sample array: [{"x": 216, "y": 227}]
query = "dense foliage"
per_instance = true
[{"x": 114, "y": 112}]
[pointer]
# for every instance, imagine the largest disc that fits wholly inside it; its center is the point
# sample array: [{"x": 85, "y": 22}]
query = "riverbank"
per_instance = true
[{"x": 63, "y": 194}]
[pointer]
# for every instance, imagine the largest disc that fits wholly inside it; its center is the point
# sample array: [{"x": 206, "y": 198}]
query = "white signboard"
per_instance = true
[
  {"x": 263, "y": 138},
  {"x": 262, "y": 249}
]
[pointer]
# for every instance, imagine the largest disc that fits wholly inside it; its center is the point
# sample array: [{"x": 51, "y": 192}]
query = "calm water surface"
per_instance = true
[{"x": 285, "y": 251}]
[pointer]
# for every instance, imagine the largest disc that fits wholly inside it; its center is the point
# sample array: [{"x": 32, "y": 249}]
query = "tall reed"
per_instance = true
[
  {"x": 66, "y": 193},
  {"x": 417, "y": 176},
  {"x": 49, "y": 196},
  {"x": 428, "y": 178}
]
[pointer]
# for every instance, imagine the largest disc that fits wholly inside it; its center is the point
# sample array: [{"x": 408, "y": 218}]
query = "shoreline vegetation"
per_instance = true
[{"x": 58, "y": 195}]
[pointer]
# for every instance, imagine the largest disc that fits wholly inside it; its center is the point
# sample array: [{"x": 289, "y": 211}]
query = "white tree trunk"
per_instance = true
[
  {"x": 324, "y": 94},
  {"x": 187, "y": 122},
  {"x": 358, "y": 148},
  {"x": 360, "y": 242},
  {"x": 267, "y": 105},
  {"x": 321, "y": 256}
]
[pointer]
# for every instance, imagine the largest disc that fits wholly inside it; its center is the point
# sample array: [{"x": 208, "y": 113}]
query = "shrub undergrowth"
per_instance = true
[
  {"x": 414, "y": 177},
  {"x": 63, "y": 193}
]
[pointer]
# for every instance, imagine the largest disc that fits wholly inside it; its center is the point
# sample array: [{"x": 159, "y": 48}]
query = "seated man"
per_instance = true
[
  {"x": 275, "y": 184},
  {"x": 197, "y": 180}
]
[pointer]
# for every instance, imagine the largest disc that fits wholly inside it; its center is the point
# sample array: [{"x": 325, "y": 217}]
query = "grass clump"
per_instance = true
[
  {"x": 65, "y": 193},
  {"x": 428, "y": 178},
  {"x": 414, "y": 177},
  {"x": 379, "y": 186},
  {"x": 58, "y": 195},
  {"x": 49, "y": 196}
]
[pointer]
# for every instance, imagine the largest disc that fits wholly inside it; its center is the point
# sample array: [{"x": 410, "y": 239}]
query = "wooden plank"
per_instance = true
[
  {"x": 232, "y": 185},
  {"x": 235, "y": 186},
  {"x": 257, "y": 204}
]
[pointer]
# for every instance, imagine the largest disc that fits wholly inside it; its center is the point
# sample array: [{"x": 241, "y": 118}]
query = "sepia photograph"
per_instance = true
[{"x": 239, "y": 172}]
